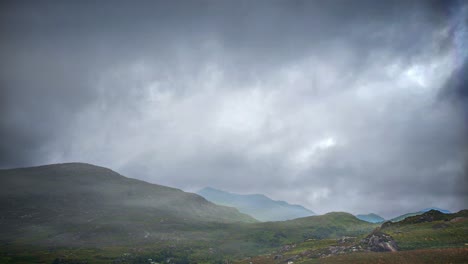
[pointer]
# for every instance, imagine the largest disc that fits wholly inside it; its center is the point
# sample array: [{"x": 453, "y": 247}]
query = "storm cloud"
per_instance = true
[{"x": 338, "y": 106}]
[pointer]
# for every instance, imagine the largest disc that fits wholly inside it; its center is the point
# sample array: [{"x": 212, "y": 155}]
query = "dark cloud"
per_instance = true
[{"x": 324, "y": 104}]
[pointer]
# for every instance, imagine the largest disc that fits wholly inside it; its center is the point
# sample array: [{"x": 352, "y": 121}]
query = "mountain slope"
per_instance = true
[
  {"x": 371, "y": 218},
  {"x": 81, "y": 202},
  {"x": 431, "y": 229},
  {"x": 84, "y": 213},
  {"x": 328, "y": 226},
  {"x": 257, "y": 205},
  {"x": 402, "y": 217}
]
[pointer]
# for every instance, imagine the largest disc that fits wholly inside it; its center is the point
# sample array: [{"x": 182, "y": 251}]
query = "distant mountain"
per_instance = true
[
  {"x": 430, "y": 216},
  {"x": 257, "y": 205},
  {"x": 371, "y": 218},
  {"x": 402, "y": 217},
  {"x": 76, "y": 202},
  {"x": 437, "y": 209}
]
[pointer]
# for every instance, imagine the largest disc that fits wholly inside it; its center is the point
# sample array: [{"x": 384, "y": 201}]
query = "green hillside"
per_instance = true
[
  {"x": 432, "y": 237},
  {"x": 80, "y": 203},
  {"x": 80, "y": 212},
  {"x": 432, "y": 229}
]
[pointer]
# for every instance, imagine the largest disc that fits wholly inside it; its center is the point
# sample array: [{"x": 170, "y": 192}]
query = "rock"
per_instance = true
[
  {"x": 287, "y": 247},
  {"x": 379, "y": 242},
  {"x": 346, "y": 239}
]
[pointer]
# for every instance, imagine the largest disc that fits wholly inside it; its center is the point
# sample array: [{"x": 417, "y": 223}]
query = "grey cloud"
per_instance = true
[{"x": 323, "y": 104}]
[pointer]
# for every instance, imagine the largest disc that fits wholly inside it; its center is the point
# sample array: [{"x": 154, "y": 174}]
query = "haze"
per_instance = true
[{"x": 336, "y": 106}]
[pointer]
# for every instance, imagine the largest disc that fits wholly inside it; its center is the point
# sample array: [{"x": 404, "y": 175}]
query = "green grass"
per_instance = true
[
  {"x": 77, "y": 212},
  {"x": 442, "y": 240},
  {"x": 202, "y": 242},
  {"x": 427, "y": 235}
]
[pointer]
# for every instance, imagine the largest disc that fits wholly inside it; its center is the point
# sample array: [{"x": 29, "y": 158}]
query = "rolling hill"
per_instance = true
[
  {"x": 77, "y": 203},
  {"x": 432, "y": 237},
  {"x": 257, "y": 205},
  {"x": 75, "y": 212}
]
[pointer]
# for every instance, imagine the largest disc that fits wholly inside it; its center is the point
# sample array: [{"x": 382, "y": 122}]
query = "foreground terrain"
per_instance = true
[
  {"x": 432, "y": 237},
  {"x": 80, "y": 213}
]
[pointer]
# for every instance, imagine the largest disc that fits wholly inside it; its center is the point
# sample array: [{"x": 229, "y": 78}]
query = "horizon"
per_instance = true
[
  {"x": 335, "y": 107},
  {"x": 248, "y": 194}
]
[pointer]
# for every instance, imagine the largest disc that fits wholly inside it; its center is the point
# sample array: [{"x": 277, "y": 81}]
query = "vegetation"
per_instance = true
[
  {"x": 423, "y": 256},
  {"x": 432, "y": 229},
  {"x": 79, "y": 213}
]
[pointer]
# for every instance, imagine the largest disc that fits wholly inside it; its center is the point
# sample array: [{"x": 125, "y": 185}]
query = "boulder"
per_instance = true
[{"x": 379, "y": 242}]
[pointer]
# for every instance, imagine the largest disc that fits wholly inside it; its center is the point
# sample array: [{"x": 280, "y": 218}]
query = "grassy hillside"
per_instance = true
[
  {"x": 432, "y": 229},
  {"x": 257, "y": 205},
  {"x": 81, "y": 203},
  {"x": 432, "y": 237},
  {"x": 80, "y": 212},
  {"x": 202, "y": 243}
]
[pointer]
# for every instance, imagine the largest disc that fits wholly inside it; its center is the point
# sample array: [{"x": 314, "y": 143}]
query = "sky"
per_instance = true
[{"x": 337, "y": 106}]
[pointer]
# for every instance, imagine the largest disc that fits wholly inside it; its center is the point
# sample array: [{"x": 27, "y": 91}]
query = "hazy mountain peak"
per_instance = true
[
  {"x": 259, "y": 206},
  {"x": 437, "y": 209},
  {"x": 371, "y": 218}
]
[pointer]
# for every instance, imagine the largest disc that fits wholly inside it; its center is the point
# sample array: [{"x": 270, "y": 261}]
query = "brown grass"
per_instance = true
[
  {"x": 421, "y": 256},
  {"x": 450, "y": 255}
]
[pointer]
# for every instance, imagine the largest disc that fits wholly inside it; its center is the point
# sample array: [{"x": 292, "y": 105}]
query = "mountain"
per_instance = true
[
  {"x": 257, "y": 205},
  {"x": 437, "y": 209},
  {"x": 83, "y": 203},
  {"x": 81, "y": 213},
  {"x": 402, "y": 217},
  {"x": 371, "y": 218}
]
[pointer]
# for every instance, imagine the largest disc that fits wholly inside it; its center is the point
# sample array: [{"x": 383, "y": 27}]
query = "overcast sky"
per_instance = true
[{"x": 358, "y": 106}]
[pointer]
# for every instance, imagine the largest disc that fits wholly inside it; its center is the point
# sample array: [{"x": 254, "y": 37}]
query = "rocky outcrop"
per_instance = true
[
  {"x": 379, "y": 242},
  {"x": 429, "y": 216}
]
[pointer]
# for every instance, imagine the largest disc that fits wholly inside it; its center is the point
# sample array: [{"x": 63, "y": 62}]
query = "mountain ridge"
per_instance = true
[
  {"x": 83, "y": 200},
  {"x": 404, "y": 216},
  {"x": 259, "y": 206},
  {"x": 371, "y": 218}
]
